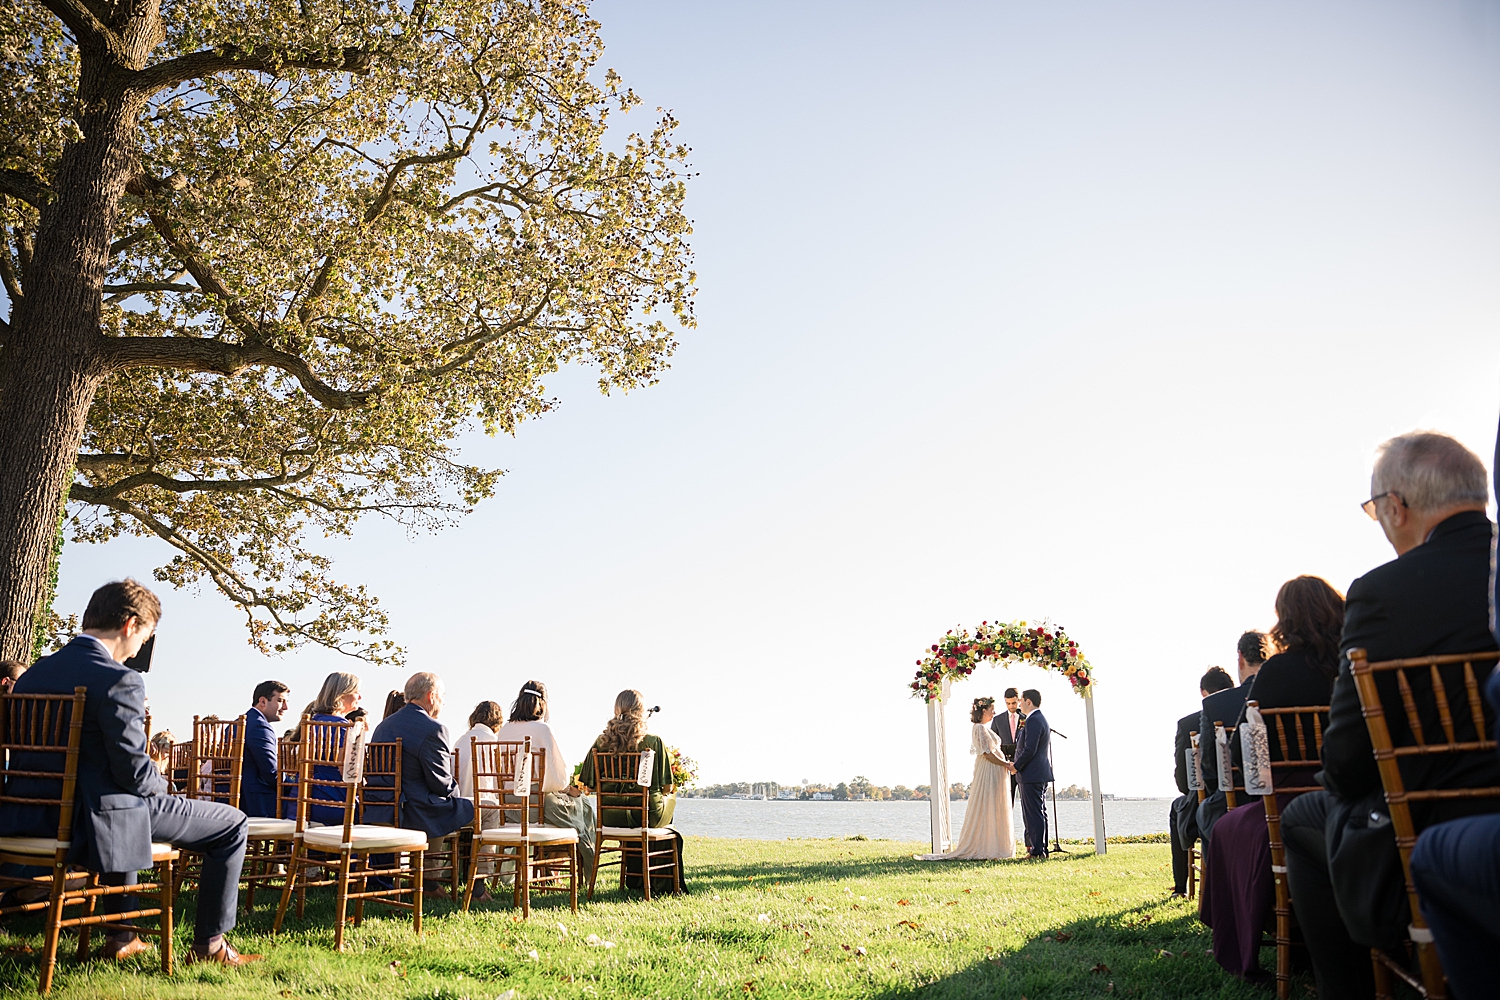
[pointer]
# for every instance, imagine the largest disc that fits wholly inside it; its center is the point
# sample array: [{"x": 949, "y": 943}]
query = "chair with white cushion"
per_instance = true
[
  {"x": 269, "y": 840},
  {"x": 508, "y": 777},
  {"x": 217, "y": 755},
  {"x": 618, "y": 789},
  {"x": 349, "y": 846},
  {"x": 38, "y": 726}
]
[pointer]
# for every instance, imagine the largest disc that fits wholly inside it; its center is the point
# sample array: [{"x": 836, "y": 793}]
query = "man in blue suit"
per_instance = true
[
  {"x": 430, "y": 800},
  {"x": 1034, "y": 771},
  {"x": 122, "y": 802},
  {"x": 258, "y": 775}
]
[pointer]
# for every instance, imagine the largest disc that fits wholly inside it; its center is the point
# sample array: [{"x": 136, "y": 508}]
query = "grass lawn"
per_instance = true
[{"x": 800, "y": 918}]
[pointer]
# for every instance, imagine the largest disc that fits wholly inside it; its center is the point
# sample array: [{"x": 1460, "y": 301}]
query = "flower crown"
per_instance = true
[{"x": 984, "y": 703}]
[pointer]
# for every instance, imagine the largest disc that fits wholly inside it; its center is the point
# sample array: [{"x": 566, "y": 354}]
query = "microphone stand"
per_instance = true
[{"x": 1056, "y": 834}]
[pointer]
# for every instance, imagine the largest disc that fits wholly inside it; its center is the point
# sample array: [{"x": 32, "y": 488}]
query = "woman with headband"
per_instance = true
[{"x": 562, "y": 802}]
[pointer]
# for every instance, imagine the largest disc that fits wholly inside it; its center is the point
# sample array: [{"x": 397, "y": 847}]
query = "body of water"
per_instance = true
[{"x": 774, "y": 820}]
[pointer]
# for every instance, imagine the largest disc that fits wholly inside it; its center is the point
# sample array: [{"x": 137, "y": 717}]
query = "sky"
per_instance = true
[{"x": 1092, "y": 313}]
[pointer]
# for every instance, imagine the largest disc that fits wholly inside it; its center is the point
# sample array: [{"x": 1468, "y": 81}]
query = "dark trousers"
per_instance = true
[
  {"x": 1179, "y": 849},
  {"x": 1456, "y": 866},
  {"x": 213, "y": 829},
  {"x": 1008, "y": 751},
  {"x": 1341, "y": 966},
  {"x": 1034, "y": 813}
]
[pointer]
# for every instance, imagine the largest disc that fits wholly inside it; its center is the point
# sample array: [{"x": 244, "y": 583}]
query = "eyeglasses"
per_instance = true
[{"x": 1369, "y": 505}]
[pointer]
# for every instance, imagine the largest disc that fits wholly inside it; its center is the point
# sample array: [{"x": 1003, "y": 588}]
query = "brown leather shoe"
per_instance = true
[
  {"x": 121, "y": 950},
  {"x": 224, "y": 956}
]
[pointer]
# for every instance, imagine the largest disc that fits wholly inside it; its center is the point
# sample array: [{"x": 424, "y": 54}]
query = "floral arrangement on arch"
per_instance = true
[
  {"x": 956, "y": 656},
  {"x": 684, "y": 768}
]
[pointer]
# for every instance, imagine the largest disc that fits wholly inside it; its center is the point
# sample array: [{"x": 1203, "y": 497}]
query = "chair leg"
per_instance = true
[
  {"x": 594, "y": 868},
  {"x": 1432, "y": 971},
  {"x": 473, "y": 874},
  {"x": 165, "y": 924},
  {"x": 646, "y": 866},
  {"x": 341, "y": 901},
  {"x": 573, "y": 875},
  {"x": 286, "y": 888},
  {"x": 83, "y": 931},
  {"x": 416, "y": 896},
  {"x": 363, "y": 862},
  {"x": 1384, "y": 989},
  {"x": 54, "y": 926}
]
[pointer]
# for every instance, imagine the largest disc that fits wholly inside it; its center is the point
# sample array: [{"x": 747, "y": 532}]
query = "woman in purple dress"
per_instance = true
[{"x": 1239, "y": 895}]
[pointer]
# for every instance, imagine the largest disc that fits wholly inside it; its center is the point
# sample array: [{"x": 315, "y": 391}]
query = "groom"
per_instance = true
[{"x": 1033, "y": 771}]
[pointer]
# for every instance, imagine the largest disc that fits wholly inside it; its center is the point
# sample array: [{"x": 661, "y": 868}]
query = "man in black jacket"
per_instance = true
[
  {"x": 1225, "y": 707},
  {"x": 1182, "y": 824},
  {"x": 1429, "y": 495}
]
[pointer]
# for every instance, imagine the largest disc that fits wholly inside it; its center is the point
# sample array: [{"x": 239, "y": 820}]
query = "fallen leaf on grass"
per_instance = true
[
  {"x": 1101, "y": 968},
  {"x": 748, "y": 986},
  {"x": 562, "y": 928},
  {"x": 532, "y": 955},
  {"x": 903, "y": 902},
  {"x": 1064, "y": 936},
  {"x": 910, "y": 923},
  {"x": 396, "y": 969},
  {"x": 807, "y": 949},
  {"x": 764, "y": 918},
  {"x": 1096, "y": 893},
  {"x": 1164, "y": 953},
  {"x": 287, "y": 993},
  {"x": 507, "y": 995},
  {"x": 18, "y": 949},
  {"x": 966, "y": 891},
  {"x": 859, "y": 951}
]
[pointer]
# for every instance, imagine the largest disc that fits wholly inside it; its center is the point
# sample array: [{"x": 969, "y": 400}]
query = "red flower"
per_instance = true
[{"x": 952, "y": 663}]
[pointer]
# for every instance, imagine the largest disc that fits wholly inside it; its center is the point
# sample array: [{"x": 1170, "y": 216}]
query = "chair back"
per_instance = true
[
  {"x": 288, "y": 777},
  {"x": 1423, "y": 707},
  {"x": 180, "y": 768},
  {"x": 381, "y": 787},
  {"x": 218, "y": 756},
  {"x": 1196, "y": 748},
  {"x": 1295, "y": 737},
  {"x": 495, "y": 763},
  {"x": 35, "y": 731},
  {"x": 1227, "y": 783},
  {"x": 616, "y": 788},
  {"x": 323, "y": 746}
]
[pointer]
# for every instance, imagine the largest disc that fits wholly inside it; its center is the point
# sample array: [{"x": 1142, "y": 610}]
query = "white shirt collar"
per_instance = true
[{"x": 99, "y": 641}]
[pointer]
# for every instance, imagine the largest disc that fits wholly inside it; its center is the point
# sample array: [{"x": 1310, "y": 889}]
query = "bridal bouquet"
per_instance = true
[
  {"x": 684, "y": 768},
  {"x": 956, "y": 656}
]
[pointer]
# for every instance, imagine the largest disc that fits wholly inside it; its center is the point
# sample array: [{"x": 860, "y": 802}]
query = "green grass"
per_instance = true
[{"x": 799, "y": 918}]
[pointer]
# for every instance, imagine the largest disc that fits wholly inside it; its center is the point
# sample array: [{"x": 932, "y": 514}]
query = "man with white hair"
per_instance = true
[
  {"x": 430, "y": 800},
  {"x": 1429, "y": 494}
]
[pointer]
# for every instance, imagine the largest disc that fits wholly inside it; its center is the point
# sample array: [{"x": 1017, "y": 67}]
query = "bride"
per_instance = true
[{"x": 987, "y": 831}]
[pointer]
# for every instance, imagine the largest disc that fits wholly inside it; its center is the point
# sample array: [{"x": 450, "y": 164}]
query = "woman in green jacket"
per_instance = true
[{"x": 626, "y": 733}]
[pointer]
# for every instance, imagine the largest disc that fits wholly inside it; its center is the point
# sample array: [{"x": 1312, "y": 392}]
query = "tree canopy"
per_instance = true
[{"x": 349, "y": 232}]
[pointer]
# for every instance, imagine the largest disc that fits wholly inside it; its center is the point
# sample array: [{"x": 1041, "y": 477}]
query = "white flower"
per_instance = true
[
  {"x": 764, "y": 918},
  {"x": 532, "y": 954}
]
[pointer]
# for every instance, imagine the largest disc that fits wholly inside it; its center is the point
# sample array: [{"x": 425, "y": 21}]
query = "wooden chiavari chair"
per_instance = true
[
  {"x": 655, "y": 846},
  {"x": 268, "y": 846},
  {"x": 1421, "y": 707},
  {"x": 1295, "y": 736},
  {"x": 36, "y": 729},
  {"x": 217, "y": 755},
  {"x": 545, "y": 858},
  {"x": 354, "y": 846},
  {"x": 179, "y": 771}
]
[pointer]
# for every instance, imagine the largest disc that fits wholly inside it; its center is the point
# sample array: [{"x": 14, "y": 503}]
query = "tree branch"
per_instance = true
[
  {"x": 262, "y": 58},
  {"x": 98, "y": 494},
  {"x": 133, "y": 287},
  {"x": 87, "y": 22},
  {"x": 194, "y": 354},
  {"x": 25, "y": 187}
]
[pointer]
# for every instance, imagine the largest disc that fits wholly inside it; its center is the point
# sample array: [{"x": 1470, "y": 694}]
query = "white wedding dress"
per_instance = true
[{"x": 987, "y": 831}]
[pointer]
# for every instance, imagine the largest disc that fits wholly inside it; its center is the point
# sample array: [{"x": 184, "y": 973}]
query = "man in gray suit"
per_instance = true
[{"x": 122, "y": 800}]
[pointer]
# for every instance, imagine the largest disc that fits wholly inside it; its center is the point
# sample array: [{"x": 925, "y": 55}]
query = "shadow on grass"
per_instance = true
[{"x": 1158, "y": 949}]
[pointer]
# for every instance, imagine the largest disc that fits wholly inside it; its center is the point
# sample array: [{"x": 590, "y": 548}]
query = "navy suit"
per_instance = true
[
  {"x": 258, "y": 775},
  {"x": 122, "y": 803},
  {"x": 1033, "y": 771},
  {"x": 430, "y": 800}
]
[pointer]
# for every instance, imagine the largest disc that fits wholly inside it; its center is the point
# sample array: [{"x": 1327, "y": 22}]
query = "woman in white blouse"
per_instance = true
[
  {"x": 483, "y": 721},
  {"x": 562, "y": 801}
]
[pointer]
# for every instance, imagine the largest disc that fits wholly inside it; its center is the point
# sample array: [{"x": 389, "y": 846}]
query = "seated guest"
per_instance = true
[
  {"x": 562, "y": 798},
  {"x": 430, "y": 798},
  {"x": 394, "y": 702},
  {"x": 1182, "y": 823},
  {"x": 258, "y": 778},
  {"x": 626, "y": 733},
  {"x": 9, "y": 671},
  {"x": 1238, "y": 900},
  {"x": 1342, "y": 867},
  {"x": 1224, "y": 707},
  {"x": 487, "y": 717},
  {"x": 159, "y": 749},
  {"x": 1456, "y": 866},
  {"x": 122, "y": 799},
  {"x": 338, "y": 697}
]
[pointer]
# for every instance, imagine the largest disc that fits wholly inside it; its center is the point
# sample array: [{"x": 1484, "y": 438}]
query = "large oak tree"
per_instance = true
[{"x": 266, "y": 259}]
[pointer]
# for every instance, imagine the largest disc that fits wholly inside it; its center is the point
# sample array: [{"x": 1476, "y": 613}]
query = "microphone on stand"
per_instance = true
[{"x": 652, "y": 710}]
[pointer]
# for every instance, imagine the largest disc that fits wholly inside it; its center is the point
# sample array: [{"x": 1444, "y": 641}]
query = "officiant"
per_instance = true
[{"x": 1006, "y": 725}]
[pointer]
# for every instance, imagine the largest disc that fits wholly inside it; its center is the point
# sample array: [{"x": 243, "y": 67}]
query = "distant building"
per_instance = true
[
  {"x": 822, "y": 796},
  {"x": 787, "y": 793}
]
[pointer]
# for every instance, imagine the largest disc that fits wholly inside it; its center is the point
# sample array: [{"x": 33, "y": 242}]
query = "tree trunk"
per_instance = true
[{"x": 53, "y": 361}]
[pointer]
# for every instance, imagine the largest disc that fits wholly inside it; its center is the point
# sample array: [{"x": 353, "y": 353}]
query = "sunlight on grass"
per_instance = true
[{"x": 803, "y": 918}]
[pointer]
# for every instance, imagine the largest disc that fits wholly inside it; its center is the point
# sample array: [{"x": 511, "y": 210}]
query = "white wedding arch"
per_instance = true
[{"x": 955, "y": 657}]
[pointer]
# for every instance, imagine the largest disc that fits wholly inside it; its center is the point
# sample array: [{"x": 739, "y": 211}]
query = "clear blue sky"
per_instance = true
[{"x": 1088, "y": 311}]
